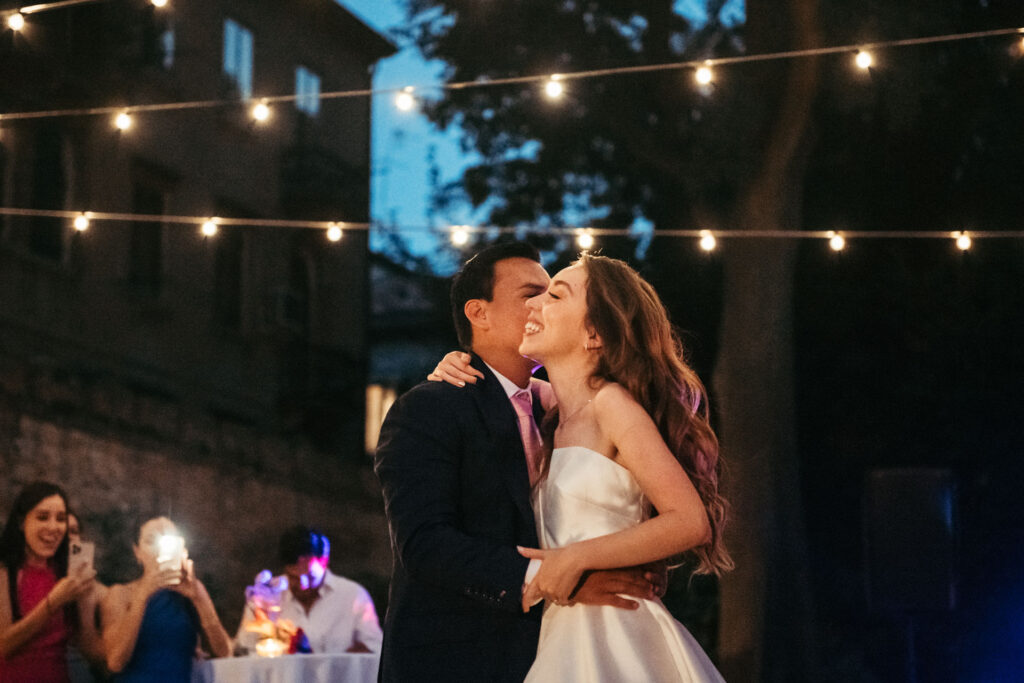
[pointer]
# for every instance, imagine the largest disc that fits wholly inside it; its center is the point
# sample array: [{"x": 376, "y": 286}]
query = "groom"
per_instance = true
[{"x": 456, "y": 486}]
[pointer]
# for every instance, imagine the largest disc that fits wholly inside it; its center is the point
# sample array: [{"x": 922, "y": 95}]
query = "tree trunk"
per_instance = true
[{"x": 767, "y": 616}]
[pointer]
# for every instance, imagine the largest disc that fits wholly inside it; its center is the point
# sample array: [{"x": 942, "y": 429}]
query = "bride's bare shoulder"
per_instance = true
[{"x": 612, "y": 399}]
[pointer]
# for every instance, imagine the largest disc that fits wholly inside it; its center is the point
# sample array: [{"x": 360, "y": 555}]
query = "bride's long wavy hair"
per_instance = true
[{"x": 641, "y": 352}]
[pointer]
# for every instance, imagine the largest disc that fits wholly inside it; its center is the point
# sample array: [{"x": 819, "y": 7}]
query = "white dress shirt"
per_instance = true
[{"x": 342, "y": 614}]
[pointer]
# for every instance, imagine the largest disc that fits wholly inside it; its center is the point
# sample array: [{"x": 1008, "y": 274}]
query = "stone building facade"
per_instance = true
[{"x": 151, "y": 370}]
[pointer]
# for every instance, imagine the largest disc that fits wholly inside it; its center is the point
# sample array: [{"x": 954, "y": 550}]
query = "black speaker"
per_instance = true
[{"x": 910, "y": 539}]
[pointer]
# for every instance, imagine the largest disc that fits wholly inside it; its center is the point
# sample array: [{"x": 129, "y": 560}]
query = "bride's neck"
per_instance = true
[{"x": 571, "y": 383}]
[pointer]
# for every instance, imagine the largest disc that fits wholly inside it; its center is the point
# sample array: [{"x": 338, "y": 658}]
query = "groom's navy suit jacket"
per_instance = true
[{"x": 456, "y": 492}]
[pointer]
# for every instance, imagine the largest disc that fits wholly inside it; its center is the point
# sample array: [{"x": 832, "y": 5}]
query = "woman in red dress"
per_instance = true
[{"x": 36, "y": 594}]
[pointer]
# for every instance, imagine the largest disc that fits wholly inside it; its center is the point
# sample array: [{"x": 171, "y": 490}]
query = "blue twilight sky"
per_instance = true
[{"x": 404, "y": 142}]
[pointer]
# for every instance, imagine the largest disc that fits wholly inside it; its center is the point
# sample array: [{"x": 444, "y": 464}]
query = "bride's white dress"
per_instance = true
[{"x": 585, "y": 495}]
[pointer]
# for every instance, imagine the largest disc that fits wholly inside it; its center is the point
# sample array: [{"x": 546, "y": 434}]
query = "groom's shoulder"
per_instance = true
[{"x": 436, "y": 395}]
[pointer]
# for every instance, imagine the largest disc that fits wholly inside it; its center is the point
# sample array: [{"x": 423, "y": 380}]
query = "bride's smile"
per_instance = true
[{"x": 556, "y": 323}]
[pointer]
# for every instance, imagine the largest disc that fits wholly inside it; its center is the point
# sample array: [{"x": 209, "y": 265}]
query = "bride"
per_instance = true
[{"x": 632, "y": 438}]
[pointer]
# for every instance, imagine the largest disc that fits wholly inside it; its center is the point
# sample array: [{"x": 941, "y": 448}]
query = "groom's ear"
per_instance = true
[
  {"x": 476, "y": 313},
  {"x": 593, "y": 339}
]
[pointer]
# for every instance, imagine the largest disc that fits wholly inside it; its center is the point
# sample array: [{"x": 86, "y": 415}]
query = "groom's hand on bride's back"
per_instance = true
[
  {"x": 608, "y": 587},
  {"x": 657, "y": 574}
]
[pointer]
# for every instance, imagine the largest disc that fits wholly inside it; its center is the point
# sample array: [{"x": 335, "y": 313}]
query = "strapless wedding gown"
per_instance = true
[{"x": 587, "y": 495}]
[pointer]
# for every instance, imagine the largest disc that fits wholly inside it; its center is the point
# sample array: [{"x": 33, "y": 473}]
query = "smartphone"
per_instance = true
[
  {"x": 171, "y": 552},
  {"x": 80, "y": 554}
]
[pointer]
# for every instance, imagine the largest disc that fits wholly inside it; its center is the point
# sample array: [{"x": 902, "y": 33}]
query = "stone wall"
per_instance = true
[{"x": 125, "y": 456}]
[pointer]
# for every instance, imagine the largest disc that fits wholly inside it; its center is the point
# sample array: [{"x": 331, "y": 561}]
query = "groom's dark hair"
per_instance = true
[{"x": 476, "y": 281}]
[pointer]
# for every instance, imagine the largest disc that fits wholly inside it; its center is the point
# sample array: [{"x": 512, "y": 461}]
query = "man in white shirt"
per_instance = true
[{"x": 335, "y": 614}]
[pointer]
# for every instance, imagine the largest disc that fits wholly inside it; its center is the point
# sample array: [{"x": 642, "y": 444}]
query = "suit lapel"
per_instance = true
[{"x": 510, "y": 459}]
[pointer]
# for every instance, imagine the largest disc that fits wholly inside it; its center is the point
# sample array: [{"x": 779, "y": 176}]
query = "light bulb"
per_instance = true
[
  {"x": 585, "y": 240},
  {"x": 404, "y": 100},
  {"x": 334, "y": 232},
  {"x": 864, "y": 59},
  {"x": 123, "y": 121},
  {"x": 554, "y": 88},
  {"x": 836, "y": 241},
  {"x": 81, "y": 222},
  {"x": 460, "y": 236},
  {"x": 16, "y": 21},
  {"x": 159, "y": 3},
  {"x": 963, "y": 241},
  {"x": 703, "y": 75},
  {"x": 261, "y": 112},
  {"x": 209, "y": 228},
  {"x": 707, "y": 240}
]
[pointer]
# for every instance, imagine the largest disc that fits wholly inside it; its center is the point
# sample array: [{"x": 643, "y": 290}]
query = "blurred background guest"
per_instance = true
[
  {"x": 38, "y": 616},
  {"x": 335, "y": 613},
  {"x": 151, "y": 626}
]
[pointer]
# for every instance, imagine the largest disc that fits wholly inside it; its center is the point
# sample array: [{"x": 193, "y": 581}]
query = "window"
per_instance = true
[
  {"x": 167, "y": 48},
  {"x": 307, "y": 91},
  {"x": 238, "y": 56},
  {"x": 379, "y": 399}
]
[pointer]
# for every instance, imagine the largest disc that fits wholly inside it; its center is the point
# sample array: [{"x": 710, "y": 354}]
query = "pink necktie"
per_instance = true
[{"x": 522, "y": 401}]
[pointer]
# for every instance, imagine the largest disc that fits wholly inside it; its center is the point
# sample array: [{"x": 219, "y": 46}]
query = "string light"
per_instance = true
[
  {"x": 82, "y": 221},
  {"x": 585, "y": 239},
  {"x": 123, "y": 121},
  {"x": 16, "y": 21},
  {"x": 864, "y": 60},
  {"x": 707, "y": 240},
  {"x": 209, "y": 228},
  {"x": 703, "y": 75},
  {"x": 554, "y": 88},
  {"x": 404, "y": 100},
  {"x": 334, "y": 232},
  {"x": 460, "y": 236},
  {"x": 260, "y": 111},
  {"x": 460, "y": 233},
  {"x": 836, "y": 241},
  {"x": 963, "y": 241}
]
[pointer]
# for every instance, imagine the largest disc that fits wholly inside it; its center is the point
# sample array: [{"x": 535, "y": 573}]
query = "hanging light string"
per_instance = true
[
  {"x": 85, "y": 217},
  {"x": 189, "y": 220},
  {"x": 44, "y": 7},
  {"x": 18, "y": 13},
  {"x": 460, "y": 234},
  {"x": 407, "y": 91},
  {"x": 175, "y": 106}
]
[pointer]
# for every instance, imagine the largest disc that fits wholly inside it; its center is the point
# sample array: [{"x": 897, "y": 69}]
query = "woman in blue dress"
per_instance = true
[{"x": 153, "y": 625}]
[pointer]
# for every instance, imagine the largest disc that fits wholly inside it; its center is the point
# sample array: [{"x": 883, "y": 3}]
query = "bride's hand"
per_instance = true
[
  {"x": 559, "y": 573},
  {"x": 455, "y": 369}
]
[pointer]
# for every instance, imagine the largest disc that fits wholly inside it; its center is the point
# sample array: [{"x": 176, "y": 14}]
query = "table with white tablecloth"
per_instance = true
[{"x": 297, "y": 668}]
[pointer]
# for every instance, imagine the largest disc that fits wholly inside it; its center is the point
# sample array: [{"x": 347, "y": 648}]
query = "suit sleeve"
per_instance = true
[{"x": 418, "y": 463}]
